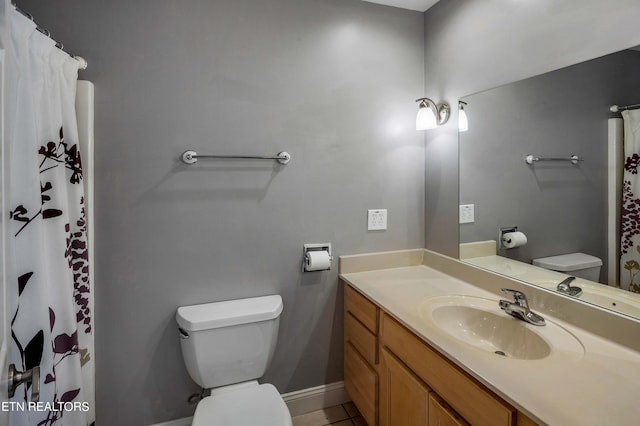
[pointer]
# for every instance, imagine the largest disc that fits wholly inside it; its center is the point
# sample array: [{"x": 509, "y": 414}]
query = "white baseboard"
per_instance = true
[
  {"x": 317, "y": 398},
  {"x": 299, "y": 402}
]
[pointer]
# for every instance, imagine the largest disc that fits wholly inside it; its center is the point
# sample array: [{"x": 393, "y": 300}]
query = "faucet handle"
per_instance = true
[
  {"x": 565, "y": 285},
  {"x": 520, "y": 309},
  {"x": 518, "y": 296}
]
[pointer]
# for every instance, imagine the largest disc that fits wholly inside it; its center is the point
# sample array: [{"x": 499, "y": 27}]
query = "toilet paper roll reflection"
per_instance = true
[
  {"x": 513, "y": 239},
  {"x": 317, "y": 261}
]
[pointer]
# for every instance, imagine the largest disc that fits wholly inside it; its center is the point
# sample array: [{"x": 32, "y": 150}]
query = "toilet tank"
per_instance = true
[
  {"x": 229, "y": 342},
  {"x": 579, "y": 265}
]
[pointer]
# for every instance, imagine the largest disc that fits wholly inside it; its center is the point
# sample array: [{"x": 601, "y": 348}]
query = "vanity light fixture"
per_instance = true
[
  {"x": 431, "y": 115},
  {"x": 463, "y": 121}
]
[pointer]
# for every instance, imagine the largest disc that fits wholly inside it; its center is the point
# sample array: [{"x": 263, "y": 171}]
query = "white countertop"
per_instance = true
[{"x": 598, "y": 388}]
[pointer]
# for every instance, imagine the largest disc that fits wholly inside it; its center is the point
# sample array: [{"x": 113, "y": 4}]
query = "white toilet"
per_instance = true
[
  {"x": 579, "y": 265},
  {"x": 227, "y": 346}
]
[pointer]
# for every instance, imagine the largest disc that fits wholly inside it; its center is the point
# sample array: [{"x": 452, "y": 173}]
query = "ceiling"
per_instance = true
[{"x": 419, "y": 5}]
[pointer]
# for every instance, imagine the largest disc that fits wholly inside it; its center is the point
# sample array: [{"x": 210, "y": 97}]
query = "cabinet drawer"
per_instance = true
[
  {"x": 361, "y": 338},
  {"x": 361, "y": 383},
  {"x": 440, "y": 414},
  {"x": 361, "y": 308},
  {"x": 468, "y": 397}
]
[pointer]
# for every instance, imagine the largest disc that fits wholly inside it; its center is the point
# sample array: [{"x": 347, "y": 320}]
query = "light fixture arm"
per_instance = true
[{"x": 443, "y": 111}]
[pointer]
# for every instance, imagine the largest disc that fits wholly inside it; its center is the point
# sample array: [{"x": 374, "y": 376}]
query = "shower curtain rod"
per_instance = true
[
  {"x": 82, "y": 62},
  {"x": 616, "y": 108}
]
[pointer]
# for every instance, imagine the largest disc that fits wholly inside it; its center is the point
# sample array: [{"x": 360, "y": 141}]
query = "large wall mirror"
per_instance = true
[{"x": 562, "y": 207}]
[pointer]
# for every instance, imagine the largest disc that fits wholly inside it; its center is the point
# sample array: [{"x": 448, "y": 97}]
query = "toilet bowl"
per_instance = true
[
  {"x": 578, "y": 265},
  {"x": 250, "y": 406},
  {"x": 226, "y": 347}
]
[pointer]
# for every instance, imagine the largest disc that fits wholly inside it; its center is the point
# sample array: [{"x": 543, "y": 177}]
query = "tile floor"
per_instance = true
[{"x": 340, "y": 415}]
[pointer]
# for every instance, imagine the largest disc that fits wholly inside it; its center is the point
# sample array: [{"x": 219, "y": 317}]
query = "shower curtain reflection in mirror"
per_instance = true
[{"x": 630, "y": 210}]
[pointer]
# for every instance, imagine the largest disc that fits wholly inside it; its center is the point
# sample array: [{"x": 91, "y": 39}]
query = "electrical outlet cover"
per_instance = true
[
  {"x": 467, "y": 213},
  {"x": 377, "y": 220}
]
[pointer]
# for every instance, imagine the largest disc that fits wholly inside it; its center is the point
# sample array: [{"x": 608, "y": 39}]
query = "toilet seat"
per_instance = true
[{"x": 245, "y": 406}]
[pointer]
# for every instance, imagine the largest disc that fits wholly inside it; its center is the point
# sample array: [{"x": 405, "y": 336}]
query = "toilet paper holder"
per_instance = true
[
  {"x": 501, "y": 232},
  {"x": 306, "y": 248}
]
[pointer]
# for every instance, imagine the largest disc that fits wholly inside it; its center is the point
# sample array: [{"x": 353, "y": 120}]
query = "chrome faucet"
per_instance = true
[
  {"x": 564, "y": 287},
  {"x": 520, "y": 308}
]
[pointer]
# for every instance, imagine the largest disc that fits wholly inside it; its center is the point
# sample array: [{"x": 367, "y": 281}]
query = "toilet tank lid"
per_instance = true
[
  {"x": 228, "y": 313},
  {"x": 568, "y": 262}
]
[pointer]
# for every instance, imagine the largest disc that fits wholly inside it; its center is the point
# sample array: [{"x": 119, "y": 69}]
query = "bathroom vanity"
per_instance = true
[{"x": 427, "y": 344}]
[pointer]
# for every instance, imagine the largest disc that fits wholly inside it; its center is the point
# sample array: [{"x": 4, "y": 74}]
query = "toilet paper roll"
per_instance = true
[
  {"x": 318, "y": 260},
  {"x": 513, "y": 239}
]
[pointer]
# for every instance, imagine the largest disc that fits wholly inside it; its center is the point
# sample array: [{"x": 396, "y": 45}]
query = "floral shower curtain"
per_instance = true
[
  {"x": 52, "y": 324},
  {"x": 630, "y": 224}
]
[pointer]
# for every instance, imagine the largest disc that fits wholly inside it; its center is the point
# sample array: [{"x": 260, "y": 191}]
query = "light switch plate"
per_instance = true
[
  {"x": 467, "y": 213},
  {"x": 377, "y": 220}
]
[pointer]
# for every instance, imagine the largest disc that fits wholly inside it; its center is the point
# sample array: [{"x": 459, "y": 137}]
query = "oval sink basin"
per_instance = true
[{"x": 482, "y": 324}]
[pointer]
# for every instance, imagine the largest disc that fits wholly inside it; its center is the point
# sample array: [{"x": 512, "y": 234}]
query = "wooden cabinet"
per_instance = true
[
  {"x": 476, "y": 404},
  {"x": 361, "y": 353},
  {"x": 396, "y": 379}
]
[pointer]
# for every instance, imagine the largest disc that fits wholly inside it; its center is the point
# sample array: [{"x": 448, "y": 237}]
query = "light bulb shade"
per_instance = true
[
  {"x": 426, "y": 118},
  {"x": 463, "y": 121}
]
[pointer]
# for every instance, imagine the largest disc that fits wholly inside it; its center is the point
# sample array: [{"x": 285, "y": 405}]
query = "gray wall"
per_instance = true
[
  {"x": 561, "y": 207},
  {"x": 331, "y": 81},
  {"x": 473, "y": 45}
]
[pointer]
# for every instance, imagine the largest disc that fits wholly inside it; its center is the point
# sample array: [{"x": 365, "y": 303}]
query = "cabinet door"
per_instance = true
[
  {"x": 403, "y": 396},
  {"x": 440, "y": 414}
]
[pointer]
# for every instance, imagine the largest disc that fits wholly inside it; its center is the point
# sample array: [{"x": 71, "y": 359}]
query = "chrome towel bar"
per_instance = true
[
  {"x": 530, "y": 159},
  {"x": 191, "y": 157}
]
